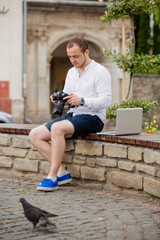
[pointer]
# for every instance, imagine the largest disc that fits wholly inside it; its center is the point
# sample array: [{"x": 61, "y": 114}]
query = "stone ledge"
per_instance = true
[
  {"x": 105, "y": 164},
  {"x": 21, "y": 129},
  {"x": 141, "y": 140}
]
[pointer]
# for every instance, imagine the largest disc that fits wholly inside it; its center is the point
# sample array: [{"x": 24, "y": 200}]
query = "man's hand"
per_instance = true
[
  {"x": 73, "y": 99},
  {"x": 53, "y": 101}
]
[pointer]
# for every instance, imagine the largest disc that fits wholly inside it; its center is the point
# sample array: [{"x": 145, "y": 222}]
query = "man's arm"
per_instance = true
[{"x": 103, "y": 91}]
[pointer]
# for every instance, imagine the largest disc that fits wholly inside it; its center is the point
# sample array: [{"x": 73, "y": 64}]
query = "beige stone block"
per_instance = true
[
  {"x": 5, "y": 139},
  {"x": 125, "y": 165},
  {"x": 158, "y": 174},
  {"x": 14, "y": 152},
  {"x": 126, "y": 180},
  {"x": 74, "y": 170},
  {"x": 32, "y": 147},
  {"x": 88, "y": 148},
  {"x": 93, "y": 173},
  {"x": 106, "y": 162},
  {"x": 69, "y": 145},
  {"x": 135, "y": 154},
  {"x": 91, "y": 162},
  {"x": 151, "y": 156},
  {"x": 44, "y": 167},
  {"x": 152, "y": 186},
  {"x": 67, "y": 158},
  {"x": 34, "y": 155},
  {"x": 26, "y": 165},
  {"x": 79, "y": 160},
  {"x": 6, "y": 162},
  {"x": 147, "y": 169},
  {"x": 115, "y": 150},
  {"x": 20, "y": 142}
]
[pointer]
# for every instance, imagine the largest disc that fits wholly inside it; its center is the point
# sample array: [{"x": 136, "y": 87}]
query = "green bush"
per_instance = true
[
  {"x": 156, "y": 39},
  {"x": 127, "y": 8},
  {"x": 143, "y": 34},
  {"x": 144, "y": 44},
  {"x": 146, "y": 104}
]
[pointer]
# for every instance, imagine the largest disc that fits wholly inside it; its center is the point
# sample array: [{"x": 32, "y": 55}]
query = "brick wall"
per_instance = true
[
  {"x": 5, "y": 101},
  {"x": 95, "y": 162}
]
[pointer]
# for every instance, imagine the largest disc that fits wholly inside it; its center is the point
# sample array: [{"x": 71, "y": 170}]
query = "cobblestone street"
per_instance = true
[{"x": 83, "y": 213}]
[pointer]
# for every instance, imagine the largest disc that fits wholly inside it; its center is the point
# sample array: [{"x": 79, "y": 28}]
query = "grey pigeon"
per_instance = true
[{"x": 36, "y": 215}]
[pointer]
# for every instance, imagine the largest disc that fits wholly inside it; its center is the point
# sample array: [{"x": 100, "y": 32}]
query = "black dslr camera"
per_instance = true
[{"x": 58, "y": 109}]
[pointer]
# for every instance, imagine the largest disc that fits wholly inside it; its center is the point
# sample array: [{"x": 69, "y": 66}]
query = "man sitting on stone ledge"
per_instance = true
[{"x": 88, "y": 85}]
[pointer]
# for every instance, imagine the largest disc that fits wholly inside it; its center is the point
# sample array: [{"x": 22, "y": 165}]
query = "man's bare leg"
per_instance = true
[
  {"x": 40, "y": 137},
  {"x": 59, "y": 132},
  {"x": 53, "y": 151}
]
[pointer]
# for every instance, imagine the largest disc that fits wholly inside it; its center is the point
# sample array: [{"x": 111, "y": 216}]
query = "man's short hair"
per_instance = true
[{"x": 81, "y": 42}]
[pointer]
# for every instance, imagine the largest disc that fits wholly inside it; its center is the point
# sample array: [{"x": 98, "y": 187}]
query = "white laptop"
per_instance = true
[{"x": 128, "y": 122}]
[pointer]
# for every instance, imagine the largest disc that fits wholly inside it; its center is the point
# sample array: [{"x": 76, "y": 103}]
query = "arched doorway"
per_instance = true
[{"x": 60, "y": 65}]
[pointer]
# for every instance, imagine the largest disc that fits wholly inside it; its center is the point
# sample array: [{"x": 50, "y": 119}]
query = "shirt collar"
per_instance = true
[{"x": 88, "y": 66}]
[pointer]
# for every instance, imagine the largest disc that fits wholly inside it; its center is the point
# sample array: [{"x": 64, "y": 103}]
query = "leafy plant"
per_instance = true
[
  {"x": 156, "y": 36},
  {"x": 130, "y": 62},
  {"x": 127, "y": 8},
  {"x": 133, "y": 62},
  {"x": 157, "y": 13},
  {"x": 142, "y": 32},
  {"x": 146, "y": 104}
]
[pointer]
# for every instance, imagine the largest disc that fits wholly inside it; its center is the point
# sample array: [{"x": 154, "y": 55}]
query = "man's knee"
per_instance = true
[
  {"x": 32, "y": 134},
  {"x": 39, "y": 133},
  {"x": 56, "y": 128},
  {"x": 62, "y": 128}
]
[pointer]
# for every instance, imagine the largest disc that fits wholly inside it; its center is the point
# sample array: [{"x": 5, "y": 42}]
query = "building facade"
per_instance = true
[
  {"x": 50, "y": 25},
  {"x": 11, "y": 40}
]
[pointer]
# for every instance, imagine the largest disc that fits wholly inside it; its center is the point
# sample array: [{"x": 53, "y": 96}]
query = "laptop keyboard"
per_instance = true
[
  {"x": 110, "y": 132},
  {"x": 107, "y": 133}
]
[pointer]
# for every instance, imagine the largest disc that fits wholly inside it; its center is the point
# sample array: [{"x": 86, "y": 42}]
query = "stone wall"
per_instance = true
[
  {"x": 98, "y": 163},
  {"x": 147, "y": 85}
]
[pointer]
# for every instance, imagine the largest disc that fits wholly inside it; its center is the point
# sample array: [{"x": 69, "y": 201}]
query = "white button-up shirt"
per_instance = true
[{"x": 94, "y": 85}]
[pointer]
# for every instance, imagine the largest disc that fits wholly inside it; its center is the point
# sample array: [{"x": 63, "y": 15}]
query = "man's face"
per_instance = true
[{"x": 77, "y": 57}]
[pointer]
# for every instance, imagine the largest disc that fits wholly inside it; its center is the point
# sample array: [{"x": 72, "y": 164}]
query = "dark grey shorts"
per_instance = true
[{"x": 83, "y": 123}]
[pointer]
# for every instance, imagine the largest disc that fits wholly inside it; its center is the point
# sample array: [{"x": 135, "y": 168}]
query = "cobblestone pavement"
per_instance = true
[{"x": 83, "y": 213}]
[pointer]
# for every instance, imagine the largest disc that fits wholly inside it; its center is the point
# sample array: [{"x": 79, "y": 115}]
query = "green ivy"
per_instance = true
[{"x": 146, "y": 104}]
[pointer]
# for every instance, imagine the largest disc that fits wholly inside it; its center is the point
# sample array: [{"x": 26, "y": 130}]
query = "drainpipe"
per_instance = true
[{"x": 26, "y": 120}]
